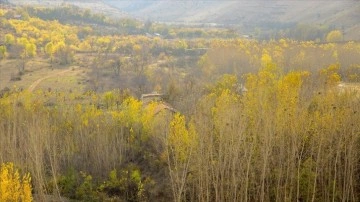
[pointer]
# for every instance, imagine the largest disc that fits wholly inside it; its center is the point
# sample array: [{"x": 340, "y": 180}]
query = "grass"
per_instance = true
[
  {"x": 40, "y": 69},
  {"x": 69, "y": 81}
]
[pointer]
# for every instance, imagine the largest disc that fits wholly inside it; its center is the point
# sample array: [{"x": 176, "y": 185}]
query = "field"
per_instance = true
[{"x": 100, "y": 109}]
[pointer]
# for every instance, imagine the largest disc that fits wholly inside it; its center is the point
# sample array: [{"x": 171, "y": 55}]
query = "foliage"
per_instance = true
[
  {"x": 180, "y": 140},
  {"x": 334, "y": 36},
  {"x": 9, "y": 39},
  {"x": 278, "y": 119},
  {"x": 68, "y": 183},
  {"x": 86, "y": 190},
  {"x": 127, "y": 186},
  {"x": 331, "y": 74},
  {"x": 255, "y": 120},
  {"x": 2, "y": 12},
  {"x": 68, "y": 13},
  {"x": 13, "y": 186},
  {"x": 2, "y": 52}
]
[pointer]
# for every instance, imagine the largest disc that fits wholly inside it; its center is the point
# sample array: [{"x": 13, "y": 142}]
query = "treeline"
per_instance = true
[
  {"x": 105, "y": 25},
  {"x": 300, "y": 31},
  {"x": 68, "y": 13}
]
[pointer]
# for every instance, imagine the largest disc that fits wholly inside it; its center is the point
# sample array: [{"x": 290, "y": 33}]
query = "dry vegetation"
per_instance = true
[{"x": 253, "y": 120}]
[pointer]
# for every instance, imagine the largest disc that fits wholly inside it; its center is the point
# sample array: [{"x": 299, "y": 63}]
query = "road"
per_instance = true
[{"x": 37, "y": 82}]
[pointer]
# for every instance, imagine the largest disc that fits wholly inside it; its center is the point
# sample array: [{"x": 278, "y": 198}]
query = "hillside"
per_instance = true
[
  {"x": 249, "y": 14},
  {"x": 100, "y": 109},
  {"x": 228, "y": 12},
  {"x": 246, "y": 16},
  {"x": 94, "y": 5}
]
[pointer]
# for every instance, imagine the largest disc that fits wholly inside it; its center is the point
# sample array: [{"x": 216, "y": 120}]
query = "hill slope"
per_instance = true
[
  {"x": 236, "y": 11},
  {"x": 339, "y": 14},
  {"x": 247, "y": 15},
  {"x": 96, "y": 6}
]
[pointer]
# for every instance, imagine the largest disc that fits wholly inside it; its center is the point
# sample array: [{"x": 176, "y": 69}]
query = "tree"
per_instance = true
[
  {"x": 31, "y": 49},
  {"x": 50, "y": 50},
  {"x": 28, "y": 50},
  {"x": 180, "y": 145},
  {"x": 63, "y": 53},
  {"x": 13, "y": 187},
  {"x": 2, "y": 52},
  {"x": 2, "y": 56},
  {"x": 2, "y": 12},
  {"x": 9, "y": 40},
  {"x": 85, "y": 46},
  {"x": 334, "y": 36},
  {"x": 104, "y": 45}
]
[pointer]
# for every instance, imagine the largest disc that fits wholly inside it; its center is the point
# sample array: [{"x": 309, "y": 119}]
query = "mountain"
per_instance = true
[
  {"x": 245, "y": 14},
  {"x": 96, "y": 6},
  {"x": 339, "y": 14}
]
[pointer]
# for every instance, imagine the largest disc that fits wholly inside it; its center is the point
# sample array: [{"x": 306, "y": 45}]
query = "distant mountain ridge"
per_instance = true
[
  {"x": 97, "y": 6},
  {"x": 340, "y": 14}
]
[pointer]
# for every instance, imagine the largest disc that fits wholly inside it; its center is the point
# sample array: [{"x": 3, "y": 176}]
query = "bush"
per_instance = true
[{"x": 127, "y": 186}]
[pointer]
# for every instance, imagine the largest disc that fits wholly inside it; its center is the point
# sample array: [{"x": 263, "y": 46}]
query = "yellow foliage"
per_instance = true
[
  {"x": 147, "y": 116},
  {"x": 265, "y": 59},
  {"x": 85, "y": 46},
  {"x": 2, "y": 12},
  {"x": 131, "y": 111},
  {"x": 226, "y": 106},
  {"x": 331, "y": 74},
  {"x": 334, "y": 36},
  {"x": 109, "y": 98},
  {"x": 13, "y": 187},
  {"x": 29, "y": 48},
  {"x": 226, "y": 82},
  {"x": 9, "y": 39},
  {"x": 50, "y": 49},
  {"x": 335, "y": 55},
  {"x": 284, "y": 43},
  {"x": 137, "y": 49},
  {"x": 269, "y": 93},
  {"x": 287, "y": 98},
  {"x": 90, "y": 113},
  {"x": 288, "y": 88},
  {"x": 180, "y": 139}
]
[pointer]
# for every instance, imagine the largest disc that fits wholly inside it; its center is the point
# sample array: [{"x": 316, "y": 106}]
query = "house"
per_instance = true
[
  {"x": 151, "y": 97},
  {"x": 157, "y": 97},
  {"x": 17, "y": 16}
]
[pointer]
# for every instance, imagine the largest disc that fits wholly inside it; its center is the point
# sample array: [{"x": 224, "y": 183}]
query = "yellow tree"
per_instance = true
[
  {"x": 13, "y": 187},
  {"x": 2, "y": 12},
  {"x": 334, "y": 36},
  {"x": 85, "y": 46},
  {"x": 28, "y": 50},
  {"x": 50, "y": 50},
  {"x": 2, "y": 52},
  {"x": 104, "y": 45},
  {"x": 220, "y": 126},
  {"x": 9, "y": 39},
  {"x": 330, "y": 75},
  {"x": 63, "y": 52},
  {"x": 180, "y": 143}
]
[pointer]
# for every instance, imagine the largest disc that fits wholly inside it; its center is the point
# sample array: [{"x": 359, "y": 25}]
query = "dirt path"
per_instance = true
[{"x": 37, "y": 82}]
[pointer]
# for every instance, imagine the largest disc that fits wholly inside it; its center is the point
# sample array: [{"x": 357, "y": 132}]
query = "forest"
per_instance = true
[{"x": 100, "y": 109}]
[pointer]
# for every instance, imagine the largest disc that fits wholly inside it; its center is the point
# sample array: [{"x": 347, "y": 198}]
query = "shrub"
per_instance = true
[{"x": 128, "y": 185}]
